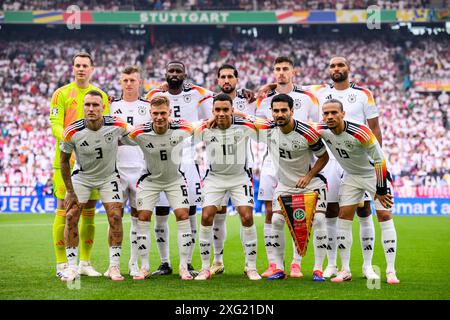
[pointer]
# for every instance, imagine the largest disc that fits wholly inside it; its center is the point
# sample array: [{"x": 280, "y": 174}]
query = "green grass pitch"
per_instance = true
[{"x": 27, "y": 266}]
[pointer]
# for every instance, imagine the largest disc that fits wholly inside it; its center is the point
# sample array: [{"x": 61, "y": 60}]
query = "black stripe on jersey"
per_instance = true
[
  {"x": 146, "y": 127},
  {"x": 108, "y": 120},
  {"x": 177, "y": 123},
  {"x": 240, "y": 93},
  {"x": 143, "y": 100},
  {"x": 271, "y": 93},
  {"x": 321, "y": 177},
  {"x": 78, "y": 125},
  {"x": 297, "y": 89},
  {"x": 307, "y": 131},
  {"x": 75, "y": 172},
  {"x": 142, "y": 178}
]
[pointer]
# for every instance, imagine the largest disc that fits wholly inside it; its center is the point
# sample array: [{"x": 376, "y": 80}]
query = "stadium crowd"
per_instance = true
[
  {"x": 415, "y": 125},
  {"x": 115, "y": 5}
]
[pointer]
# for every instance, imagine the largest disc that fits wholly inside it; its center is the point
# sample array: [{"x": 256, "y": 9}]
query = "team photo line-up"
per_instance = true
[{"x": 323, "y": 139}]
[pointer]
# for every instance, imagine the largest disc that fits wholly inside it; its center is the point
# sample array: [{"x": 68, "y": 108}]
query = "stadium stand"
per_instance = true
[{"x": 115, "y": 5}]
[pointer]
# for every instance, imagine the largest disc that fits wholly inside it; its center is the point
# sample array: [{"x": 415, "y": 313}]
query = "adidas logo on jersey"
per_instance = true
[
  {"x": 150, "y": 145},
  {"x": 116, "y": 197},
  {"x": 322, "y": 205},
  {"x": 118, "y": 111},
  {"x": 198, "y": 199},
  {"x": 84, "y": 144},
  {"x": 186, "y": 201},
  {"x": 329, "y": 97}
]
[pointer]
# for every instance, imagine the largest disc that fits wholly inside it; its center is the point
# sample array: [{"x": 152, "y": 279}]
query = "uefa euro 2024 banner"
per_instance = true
[{"x": 402, "y": 206}]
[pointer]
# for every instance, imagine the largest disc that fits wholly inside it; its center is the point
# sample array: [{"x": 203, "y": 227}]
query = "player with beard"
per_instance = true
[
  {"x": 227, "y": 79},
  {"x": 359, "y": 106},
  {"x": 306, "y": 108},
  {"x": 191, "y": 103}
]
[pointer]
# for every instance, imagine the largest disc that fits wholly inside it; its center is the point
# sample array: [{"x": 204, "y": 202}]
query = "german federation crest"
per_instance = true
[
  {"x": 297, "y": 103},
  {"x": 352, "y": 98},
  {"x": 109, "y": 137},
  {"x": 187, "y": 98},
  {"x": 298, "y": 210},
  {"x": 142, "y": 110}
]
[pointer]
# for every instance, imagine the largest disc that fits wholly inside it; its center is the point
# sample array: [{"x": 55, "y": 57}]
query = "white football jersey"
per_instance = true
[
  {"x": 359, "y": 104},
  {"x": 96, "y": 151},
  {"x": 242, "y": 105},
  {"x": 306, "y": 105},
  {"x": 226, "y": 150},
  {"x": 194, "y": 103},
  {"x": 163, "y": 153},
  {"x": 306, "y": 108},
  {"x": 134, "y": 113},
  {"x": 354, "y": 149},
  {"x": 291, "y": 153}
]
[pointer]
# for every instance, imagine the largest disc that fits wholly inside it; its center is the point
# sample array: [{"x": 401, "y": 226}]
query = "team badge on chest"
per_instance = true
[
  {"x": 352, "y": 98},
  {"x": 187, "y": 98},
  {"x": 142, "y": 110},
  {"x": 109, "y": 137}
]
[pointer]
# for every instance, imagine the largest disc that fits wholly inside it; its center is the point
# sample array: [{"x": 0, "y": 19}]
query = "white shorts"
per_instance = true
[
  {"x": 227, "y": 196},
  {"x": 148, "y": 194},
  {"x": 110, "y": 189},
  {"x": 129, "y": 178},
  {"x": 353, "y": 190},
  {"x": 267, "y": 183},
  {"x": 317, "y": 184},
  {"x": 192, "y": 178},
  {"x": 239, "y": 188},
  {"x": 335, "y": 174}
]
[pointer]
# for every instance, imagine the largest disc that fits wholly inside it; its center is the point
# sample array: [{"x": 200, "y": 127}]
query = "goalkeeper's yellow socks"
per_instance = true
[
  {"x": 58, "y": 236},
  {"x": 87, "y": 233}
]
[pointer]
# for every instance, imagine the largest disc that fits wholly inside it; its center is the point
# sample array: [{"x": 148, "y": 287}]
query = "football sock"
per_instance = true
[
  {"x": 72, "y": 257},
  {"x": 133, "y": 241},
  {"x": 87, "y": 233},
  {"x": 193, "y": 221},
  {"x": 389, "y": 241},
  {"x": 143, "y": 242},
  {"x": 367, "y": 237},
  {"x": 162, "y": 237},
  {"x": 205, "y": 239},
  {"x": 58, "y": 236},
  {"x": 184, "y": 241},
  {"x": 278, "y": 238},
  {"x": 344, "y": 242},
  {"x": 320, "y": 240},
  {"x": 220, "y": 233},
  {"x": 268, "y": 241},
  {"x": 250, "y": 246},
  {"x": 331, "y": 245},
  {"x": 114, "y": 256}
]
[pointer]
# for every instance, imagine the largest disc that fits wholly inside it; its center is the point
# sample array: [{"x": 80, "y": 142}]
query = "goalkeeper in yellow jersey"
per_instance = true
[{"x": 66, "y": 107}]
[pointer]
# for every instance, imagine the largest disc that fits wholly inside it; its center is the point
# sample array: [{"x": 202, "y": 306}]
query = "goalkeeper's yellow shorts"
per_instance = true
[{"x": 59, "y": 188}]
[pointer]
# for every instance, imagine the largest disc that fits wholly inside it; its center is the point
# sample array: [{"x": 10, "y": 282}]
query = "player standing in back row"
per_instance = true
[
  {"x": 130, "y": 159},
  {"x": 359, "y": 106},
  {"x": 191, "y": 103}
]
